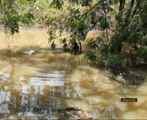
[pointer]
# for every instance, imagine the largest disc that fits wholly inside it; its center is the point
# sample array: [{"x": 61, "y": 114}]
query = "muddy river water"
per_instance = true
[
  {"x": 55, "y": 85},
  {"x": 45, "y": 84}
]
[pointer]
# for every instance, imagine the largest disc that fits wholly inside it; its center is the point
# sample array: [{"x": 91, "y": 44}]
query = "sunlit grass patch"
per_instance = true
[{"x": 26, "y": 37}]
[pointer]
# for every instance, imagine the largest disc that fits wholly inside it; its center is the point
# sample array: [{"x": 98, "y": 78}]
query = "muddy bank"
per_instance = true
[
  {"x": 26, "y": 37},
  {"x": 130, "y": 75}
]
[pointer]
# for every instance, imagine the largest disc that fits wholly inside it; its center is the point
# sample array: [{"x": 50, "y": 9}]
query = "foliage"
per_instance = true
[
  {"x": 19, "y": 12},
  {"x": 103, "y": 22},
  {"x": 10, "y": 17},
  {"x": 92, "y": 44},
  {"x": 129, "y": 27},
  {"x": 57, "y": 4},
  {"x": 122, "y": 22},
  {"x": 91, "y": 56},
  {"x": 114, "y": 60},
  {"x": 27, "y": 18},
  {"x": 142, "y": 52},
  {"x": 51, "y": 35}
]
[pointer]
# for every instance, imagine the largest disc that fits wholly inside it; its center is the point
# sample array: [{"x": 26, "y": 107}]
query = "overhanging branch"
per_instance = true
[{"x": 89, "y": 10}]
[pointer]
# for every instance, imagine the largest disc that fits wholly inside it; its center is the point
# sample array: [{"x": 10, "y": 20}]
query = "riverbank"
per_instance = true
[
  {"x": 26, "y": 37},
  {"x": 34, "y": 39}
]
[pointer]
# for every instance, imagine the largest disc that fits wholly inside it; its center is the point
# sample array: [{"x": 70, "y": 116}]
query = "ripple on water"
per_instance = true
[
  {"x": 53, "y": 78},
  {"x": 56, "y": 85}
]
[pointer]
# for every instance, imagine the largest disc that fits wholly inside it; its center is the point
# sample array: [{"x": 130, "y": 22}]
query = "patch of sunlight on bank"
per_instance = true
[
  {"x": 93, "y": 34},
  {"x": 26, "y": 37}
]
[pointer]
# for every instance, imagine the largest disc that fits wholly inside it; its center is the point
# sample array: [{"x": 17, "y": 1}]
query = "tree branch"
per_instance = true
[
  {"x": 89, "y": 10},
  {"x": 122, "y": 4}
]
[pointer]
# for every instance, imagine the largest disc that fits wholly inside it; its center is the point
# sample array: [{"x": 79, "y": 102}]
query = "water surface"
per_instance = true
[{"x": 36, "y": 83}]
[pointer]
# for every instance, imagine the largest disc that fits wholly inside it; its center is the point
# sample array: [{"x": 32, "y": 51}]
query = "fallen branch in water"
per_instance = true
[
  {"x": 112, "y": 78},
  {"x": 86, "y": 115},
  {"x": 75, "y": 116}
]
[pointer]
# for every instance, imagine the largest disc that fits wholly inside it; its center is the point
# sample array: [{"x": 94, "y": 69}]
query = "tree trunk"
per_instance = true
[{"x": 122, "y": 4}]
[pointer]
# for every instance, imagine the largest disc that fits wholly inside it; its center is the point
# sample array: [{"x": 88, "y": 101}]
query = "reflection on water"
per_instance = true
[
  {"x": 44, "y": 85},
  {"x": 34, "y": 87},
  {"x": 51, "y": 78},
  {"x": 4, "y": 97}
]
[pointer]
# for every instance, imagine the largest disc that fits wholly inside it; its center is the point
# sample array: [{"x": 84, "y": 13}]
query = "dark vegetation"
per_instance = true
[{"x": 122, "y": 44}]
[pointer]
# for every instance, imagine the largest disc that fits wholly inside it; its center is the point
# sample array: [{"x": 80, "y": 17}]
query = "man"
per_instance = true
[
  {"x": 75, "y": 48},
  {"x": 80, "y": 48},
  {"x": 53, "y": 46}
]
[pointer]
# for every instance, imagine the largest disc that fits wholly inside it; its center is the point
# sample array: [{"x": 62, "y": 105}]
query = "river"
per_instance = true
[{"x": 36, "y": 83}]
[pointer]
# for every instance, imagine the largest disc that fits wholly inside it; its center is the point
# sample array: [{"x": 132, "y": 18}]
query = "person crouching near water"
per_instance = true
[
  {"x": 80, "y": 48},
  {"x": 65, "y": 46},
  {"x": 77, "y": 48},
  {"x": 53, "y": 46}
]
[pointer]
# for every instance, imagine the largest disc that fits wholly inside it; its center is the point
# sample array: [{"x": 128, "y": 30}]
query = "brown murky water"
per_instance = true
[{"x": 42, "y": 85}]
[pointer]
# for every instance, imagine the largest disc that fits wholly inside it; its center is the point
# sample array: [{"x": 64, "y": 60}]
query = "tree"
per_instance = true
[
  {"x": 9, "y": 15},
  {"x": 123, "y": 24},
  {"x": 12, "y": 15}
]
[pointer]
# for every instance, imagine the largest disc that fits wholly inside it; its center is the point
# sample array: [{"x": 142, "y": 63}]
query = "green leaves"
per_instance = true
[
  {"x": 114, "y": 60},
  {"x": 12, "y": 23},
  {"x": 92, "y": 44},
  {"x": 77, "y": 26},
  {"x": 51, "y": 34},
  {"x": 82, "y": 25},
  {"x": 74, "y": 1},
  {"x": 123, "y": 27},
  {"x": 27, "y": 18},
  {"x": 91, "y": 55},
  {"x": 104, "y": 22},
  {"x": 134, "y": 37},
  {"x": 57, "y": 4},
  {"x": 10, "y": 17},
  {"x": 86, "y": 2},
  {"x": 128, "y": 26},
  {"x": 82, "y": 2},
  {"x": 119, "y": 17},
  {"x": 142, "y": 52},
  {"x": 116, "y": 44}
]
